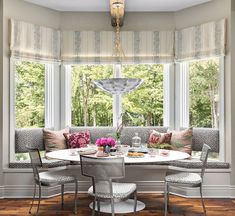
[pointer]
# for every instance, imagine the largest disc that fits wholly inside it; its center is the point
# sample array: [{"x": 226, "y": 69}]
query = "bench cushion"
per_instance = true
[
  {"x": 28, "y": 137},
  {"x": 197, "y": 164},
  {"x": 46, "y": 163},
  {"x": 210, "y": 136}
]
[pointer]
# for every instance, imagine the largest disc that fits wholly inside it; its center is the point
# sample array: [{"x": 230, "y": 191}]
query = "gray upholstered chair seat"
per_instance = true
[
  {"x": 120, "y": 190},
  {"x": 184, "y": 178},
  {"x": 57, "y": 176}
]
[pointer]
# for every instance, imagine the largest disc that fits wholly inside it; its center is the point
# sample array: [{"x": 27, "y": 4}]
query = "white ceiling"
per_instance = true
[{"x": 131, "y": 5}]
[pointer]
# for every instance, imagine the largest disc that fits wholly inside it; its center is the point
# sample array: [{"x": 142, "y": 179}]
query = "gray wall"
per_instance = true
[
  {"x": 133, "y": 21},
  {"x": 213, "y": 10}
]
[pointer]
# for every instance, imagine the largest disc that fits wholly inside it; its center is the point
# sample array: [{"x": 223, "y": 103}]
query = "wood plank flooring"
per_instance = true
[{"x": 154, "y": 206}]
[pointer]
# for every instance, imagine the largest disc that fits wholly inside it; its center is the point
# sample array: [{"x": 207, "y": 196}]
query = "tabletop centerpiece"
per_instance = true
[{"x": 106, "y": 143}]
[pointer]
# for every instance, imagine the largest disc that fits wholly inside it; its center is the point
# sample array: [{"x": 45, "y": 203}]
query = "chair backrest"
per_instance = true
[
  {"x": 102, "y": 170},
  {"x": 204, "y": 155},
  {"x": 36, "y": 161}
]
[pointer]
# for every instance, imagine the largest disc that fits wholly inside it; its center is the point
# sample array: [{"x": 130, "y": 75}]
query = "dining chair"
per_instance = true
[
  {"x": 103, "y": 171},
  {"x": 50, "y": 178},
  {"x": 188, "y": 179}
]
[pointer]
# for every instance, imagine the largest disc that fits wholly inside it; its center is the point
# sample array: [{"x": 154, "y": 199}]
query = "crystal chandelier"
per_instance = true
[{"x": 118, "y": 85}]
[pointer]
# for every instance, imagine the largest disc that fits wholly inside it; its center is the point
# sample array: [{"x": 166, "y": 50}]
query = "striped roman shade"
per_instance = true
[
  {"x": 32, "y": 41},
  {"x": 98, "y": 47},
  {"x": 201, "y": 41}
]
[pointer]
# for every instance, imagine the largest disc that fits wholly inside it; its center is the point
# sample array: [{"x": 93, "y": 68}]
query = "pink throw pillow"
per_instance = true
[
  {"x": 159, "y": 138},
  {"x": 78, "y": 139}
]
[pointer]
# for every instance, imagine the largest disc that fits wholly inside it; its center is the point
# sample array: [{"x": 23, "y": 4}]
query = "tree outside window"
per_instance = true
[
  {"x": 204, "y": 93},
  {"x": 29, "y": 94},
  {"x": 90, "y": 105},
  {"x": 145, "y": 104}
]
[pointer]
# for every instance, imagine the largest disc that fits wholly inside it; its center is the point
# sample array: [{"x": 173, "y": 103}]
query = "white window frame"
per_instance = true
[
  {"x": 182, "y": 100},
  {"x": 168, "y": 89},
  {"x": 52, "y": 99}
]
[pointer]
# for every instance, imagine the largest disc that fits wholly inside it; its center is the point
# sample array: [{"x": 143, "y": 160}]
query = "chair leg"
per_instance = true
[
  {"x": 166, "y": 197},
  {"x": 75, "y": 197},
  {"x": 98, "y": 206},
  {"x": 135, "y": 202},
  {"x": 203, "y": 205},
  {"x": 39, "y": 197},
  {"x": 62, "y": 196},
  {"x": 93, "y": 208},
  {"x": 34, "y": 194},
  {"x": 112, "y": 207}
]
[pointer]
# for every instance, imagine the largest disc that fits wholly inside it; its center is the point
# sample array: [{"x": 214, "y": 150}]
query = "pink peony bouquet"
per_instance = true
[{"x": 105, "y": 142}]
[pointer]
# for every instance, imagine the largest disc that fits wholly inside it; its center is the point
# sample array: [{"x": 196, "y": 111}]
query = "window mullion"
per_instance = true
[
  {"x": 49, "y": 96},
  {"x": 184, "y": 95},
  {"x": 66, "y": 95},
  {"x": 117, "y": 99},
  {"x": 222, "y": 155},
  {"x": 168, "y": 89},
  {"x": 12, "y": 109}
]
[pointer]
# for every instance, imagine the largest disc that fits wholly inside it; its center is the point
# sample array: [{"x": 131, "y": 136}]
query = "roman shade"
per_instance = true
[
  {"x": 30, "y": 41},
  {"x": 201, "y": 41},
  {"x": 98, "y": 47},
  {"x": 37, "y": 42}
]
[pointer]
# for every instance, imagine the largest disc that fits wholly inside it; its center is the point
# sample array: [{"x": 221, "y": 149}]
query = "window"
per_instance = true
[
  {"x": 29, "y": 94},
  {"x": 145, "y": 104},
  {"x": 31, "y": 82},
  {"x": 201, "y": 95},
  {"x": 90, "y": 105},
  {"x": 93, "y": 107},
  {"x": 204, "y": 93}
]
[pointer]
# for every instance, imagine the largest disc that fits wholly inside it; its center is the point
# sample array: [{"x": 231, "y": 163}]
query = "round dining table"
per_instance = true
[{"x": 73, "y": 155}]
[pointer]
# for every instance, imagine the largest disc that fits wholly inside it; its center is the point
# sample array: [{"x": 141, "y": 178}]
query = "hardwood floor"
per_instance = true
[{"x": 154, "y": 206}]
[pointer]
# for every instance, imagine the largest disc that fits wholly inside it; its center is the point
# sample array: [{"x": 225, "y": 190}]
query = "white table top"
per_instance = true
[{"x": 173, "y": 155}]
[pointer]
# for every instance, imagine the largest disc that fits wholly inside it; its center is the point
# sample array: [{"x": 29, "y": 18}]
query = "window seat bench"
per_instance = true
[{"x": 34, "y": 137}]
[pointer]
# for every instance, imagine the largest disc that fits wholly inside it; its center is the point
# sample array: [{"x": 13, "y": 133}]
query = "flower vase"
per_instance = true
[
  {"x": 118, "y": 142},
  {"x": 107, "y": 149}
]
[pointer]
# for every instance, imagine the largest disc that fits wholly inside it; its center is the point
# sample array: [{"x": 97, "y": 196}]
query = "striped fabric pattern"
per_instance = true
[
  {"x": 98, "y": 47},
  {"x": 30, "y": 41},
  {"x": 201, "y": 41}
]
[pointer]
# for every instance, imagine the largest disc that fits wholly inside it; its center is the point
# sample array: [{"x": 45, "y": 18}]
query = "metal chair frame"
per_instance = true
[
  {"x": 109, "y": 180},
  {"x": 36, "y": 166},
  {"x": 203, "y": 158}
]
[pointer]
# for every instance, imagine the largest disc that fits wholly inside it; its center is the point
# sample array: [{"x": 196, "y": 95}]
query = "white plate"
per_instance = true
[{"x": 86, "y": 151}]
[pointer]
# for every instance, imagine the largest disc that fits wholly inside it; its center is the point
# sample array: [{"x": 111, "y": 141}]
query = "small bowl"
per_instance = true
[{"x": 164, "y": 152}]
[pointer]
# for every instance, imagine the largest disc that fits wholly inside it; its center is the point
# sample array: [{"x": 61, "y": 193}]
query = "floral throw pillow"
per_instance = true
[
  {"x": 78, "y": 139},
  {"x": 182, "y": 140},
  {"x": 156, "y": 139},
  {"x": 54, "y": 140}
]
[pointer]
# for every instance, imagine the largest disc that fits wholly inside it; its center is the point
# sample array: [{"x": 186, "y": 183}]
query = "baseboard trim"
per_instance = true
[
  {"x": 1, "y": 192},
  {"x": 214, "y": 191}
]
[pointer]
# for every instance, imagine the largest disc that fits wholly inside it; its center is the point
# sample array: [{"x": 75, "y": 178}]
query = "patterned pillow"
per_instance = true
[
  {"x": 157, "y": 138},
  {"x": 182, "y": 140},
  {"x": 54, "y": 140},
  {"x": 78, "y": 139}
]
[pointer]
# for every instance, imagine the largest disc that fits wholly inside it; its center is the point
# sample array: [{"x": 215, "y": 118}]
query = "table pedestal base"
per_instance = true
[{"x": 126, "y": 206}]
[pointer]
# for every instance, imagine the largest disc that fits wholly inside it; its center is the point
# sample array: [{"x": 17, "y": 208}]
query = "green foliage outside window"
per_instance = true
[
  {"x": 29, "y": 94},
  {"x": 90, "y": 105},
  {"x": 204, "y": 93},
  {"x": 145, "y": 104}
]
